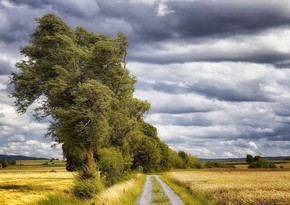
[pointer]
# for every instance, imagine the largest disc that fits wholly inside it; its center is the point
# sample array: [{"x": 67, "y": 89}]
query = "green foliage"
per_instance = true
[
  {"x": 256, "y": 158},
  {"x": 182, "y": 160},
  {"x": 215, "y": 165},
  {"x": 87, "y": 188},
  {"x": 146, "y": 154},
  {"x": 262, "y": 163},
  {"x": 111, "y": 165},
  {"x": 259, "y": 162},
  {"x": 4, "y": 163},
  {"x": 165, "y": 163},
  {"x": 249, "y": 158},
  {"x": 75, "y": 157},
  {"x": 149, "y": 130},
  {"x": 175, "y": 160},
  {"x": 193, "y": 162}
]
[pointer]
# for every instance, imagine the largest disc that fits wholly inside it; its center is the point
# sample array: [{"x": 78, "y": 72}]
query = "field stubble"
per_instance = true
[{"x": 238, "y": 187}]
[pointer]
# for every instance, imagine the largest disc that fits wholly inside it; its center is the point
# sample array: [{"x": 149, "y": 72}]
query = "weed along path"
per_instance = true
[{"x": 155, "y": 191}]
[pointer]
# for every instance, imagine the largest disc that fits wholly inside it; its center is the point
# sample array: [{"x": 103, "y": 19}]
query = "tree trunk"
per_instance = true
[{"x": 90, "y": 169}]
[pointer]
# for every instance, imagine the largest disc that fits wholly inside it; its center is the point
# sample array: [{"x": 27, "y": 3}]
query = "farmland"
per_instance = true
[
  {"x": 237, "y": 187},
  {"x": 41, "y": 179}
]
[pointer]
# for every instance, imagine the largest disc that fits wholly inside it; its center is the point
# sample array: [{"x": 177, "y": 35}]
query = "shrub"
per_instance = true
[
  {"x": 262, "y": 163},
  {"x": 4, "y": 164},
  {"x": 87, "y": 188},
  {"x": 111, "y": 165}
]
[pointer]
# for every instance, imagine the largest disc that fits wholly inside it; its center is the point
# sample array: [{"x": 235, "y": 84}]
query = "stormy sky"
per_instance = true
[{"x": 216, "y": 72}]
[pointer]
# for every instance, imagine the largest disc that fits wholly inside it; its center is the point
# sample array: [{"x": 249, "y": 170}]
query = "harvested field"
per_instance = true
[{"x": 238, "y": 187}]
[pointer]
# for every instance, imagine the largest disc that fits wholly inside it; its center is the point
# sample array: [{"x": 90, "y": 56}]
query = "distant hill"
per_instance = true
[
  {"x": 242, "y": 159},
  {"x": 20, "y": 157}
]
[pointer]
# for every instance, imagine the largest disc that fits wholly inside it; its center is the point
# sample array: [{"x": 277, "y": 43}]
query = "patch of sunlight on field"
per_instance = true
[
  {"x": 20, "y": 188},
  {"x": 238, "y": 187}
]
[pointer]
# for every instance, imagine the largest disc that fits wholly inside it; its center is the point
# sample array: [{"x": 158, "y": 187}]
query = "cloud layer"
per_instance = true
[{"x": 215, "y": 72}]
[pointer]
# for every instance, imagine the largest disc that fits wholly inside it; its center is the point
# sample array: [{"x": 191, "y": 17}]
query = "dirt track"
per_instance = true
[{"x": 146, "y": 195}]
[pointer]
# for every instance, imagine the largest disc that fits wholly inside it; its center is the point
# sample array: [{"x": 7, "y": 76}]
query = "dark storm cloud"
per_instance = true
[
  {"x": 192, "y": 22},
  {"x": 190, "y": 19},
  {"x": 246, "y": 91},
  {"x": 283, "y": 65},
  {"x": 234, "y": 51},
  {"x": 277, "y": 144},
  {"x": 211, "y": 17},
  {"x": 281, "y": 133}
]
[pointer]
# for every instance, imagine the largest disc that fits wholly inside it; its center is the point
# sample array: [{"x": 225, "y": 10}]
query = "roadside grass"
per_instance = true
[
  {"x": 158, "y": 195},
  {"x": 124, "y": 193},
  {"x": 60, "y": 199},
  {"x": 184, "y": 192}
]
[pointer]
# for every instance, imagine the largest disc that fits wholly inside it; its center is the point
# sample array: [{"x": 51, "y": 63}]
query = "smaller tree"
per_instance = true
[
  {"x": 5, "y": 164},
  {"x": 256, "y": 158},
  {"x": 184, "y": 156},
  {"x": 249, "y": 158}
]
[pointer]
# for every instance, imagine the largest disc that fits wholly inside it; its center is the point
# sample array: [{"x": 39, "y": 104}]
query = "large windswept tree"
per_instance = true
[{"x": 79, "y": 79}]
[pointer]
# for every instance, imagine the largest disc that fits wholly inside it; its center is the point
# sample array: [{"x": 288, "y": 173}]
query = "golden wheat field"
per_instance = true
[
  {"x": 238, "y": 187},
  {"x": 28, "y": 187}
]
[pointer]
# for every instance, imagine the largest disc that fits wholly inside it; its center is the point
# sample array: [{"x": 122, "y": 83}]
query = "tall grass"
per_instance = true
[
  {"x": 124, "y": 193},
  {"x": 60, "y": 199},
  {"x": 184, "y": 192}
]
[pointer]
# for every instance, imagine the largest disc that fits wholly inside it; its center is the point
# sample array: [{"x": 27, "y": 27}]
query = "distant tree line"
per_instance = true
[{"x": 6, "y": 162}]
